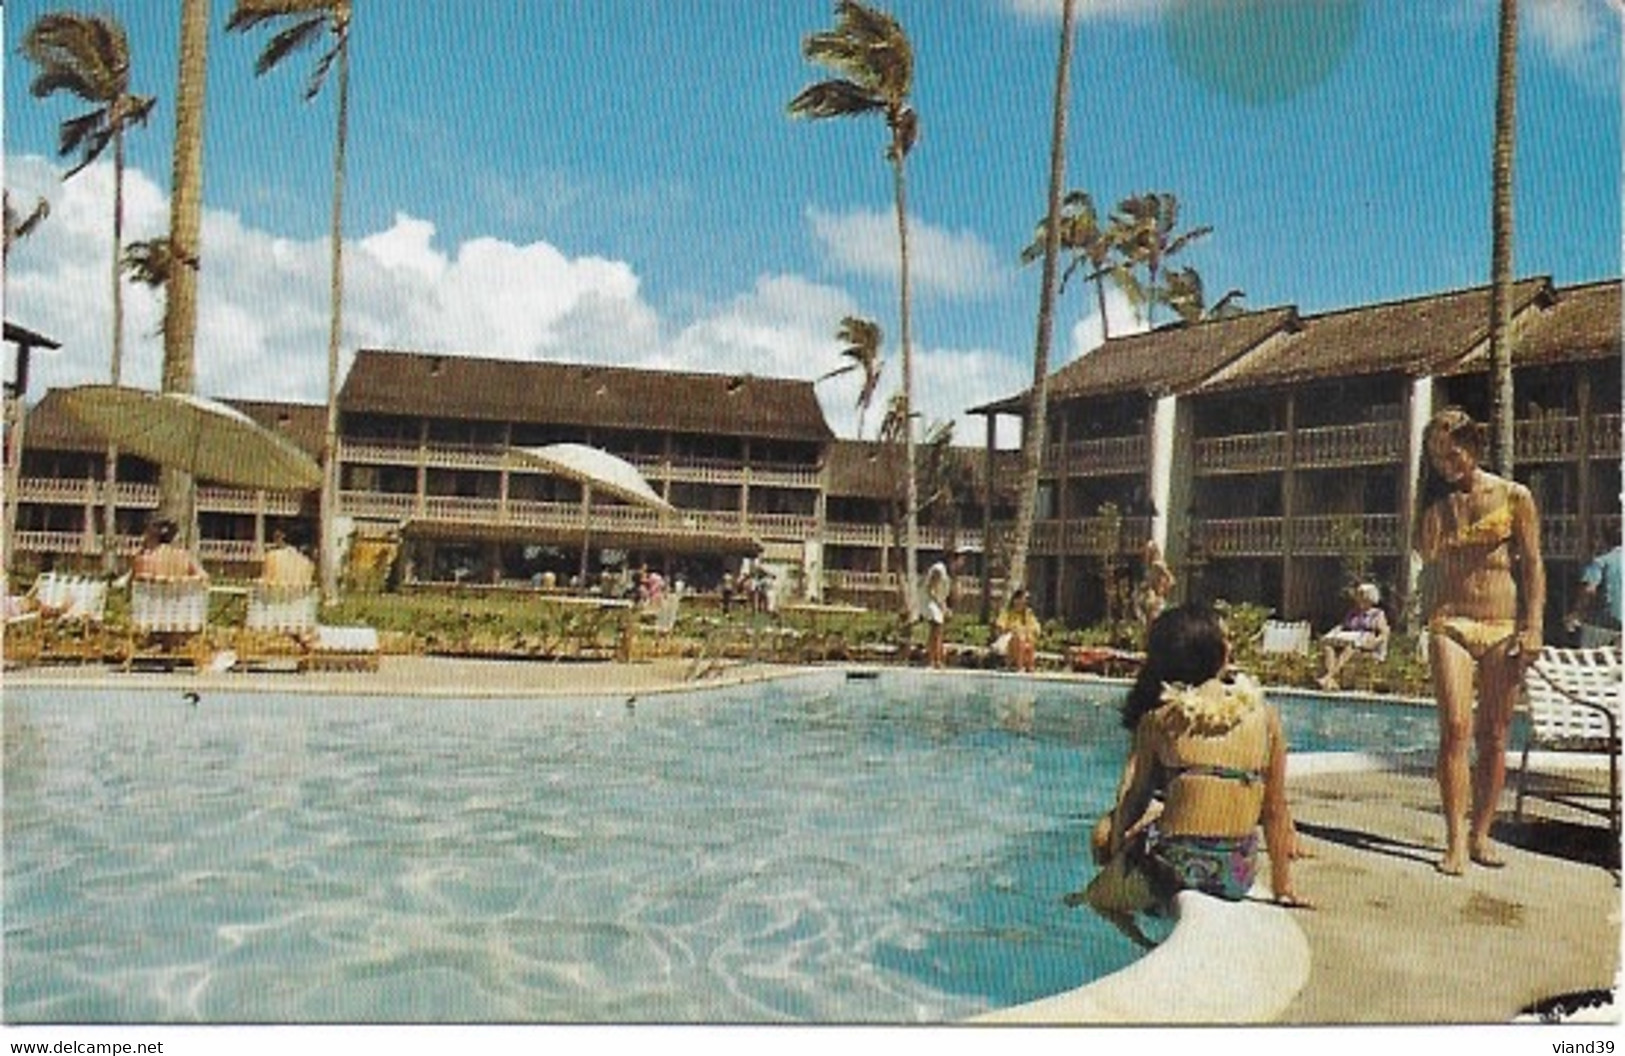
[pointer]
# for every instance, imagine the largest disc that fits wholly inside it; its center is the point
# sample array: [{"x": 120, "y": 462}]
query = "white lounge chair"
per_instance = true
[
  {"x": 1573, "y": 700},
  {"x": 1286, "y": 636},
  {"x": 285, "y": 609},
  {"x": 168, "y": 618}
]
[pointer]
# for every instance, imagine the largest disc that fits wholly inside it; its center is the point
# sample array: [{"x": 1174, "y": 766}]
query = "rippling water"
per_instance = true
[{"x": 814, "y": 850}]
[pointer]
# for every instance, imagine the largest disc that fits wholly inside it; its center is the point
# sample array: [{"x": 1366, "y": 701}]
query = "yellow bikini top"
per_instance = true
[{"x": 1492, "y": 529}]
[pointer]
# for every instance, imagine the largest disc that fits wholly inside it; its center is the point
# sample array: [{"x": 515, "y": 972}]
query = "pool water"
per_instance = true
[{"x": 811, "y": 850}]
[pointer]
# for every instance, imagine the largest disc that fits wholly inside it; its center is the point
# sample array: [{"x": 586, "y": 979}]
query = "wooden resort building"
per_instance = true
[{"x": 1273, "y": 455}]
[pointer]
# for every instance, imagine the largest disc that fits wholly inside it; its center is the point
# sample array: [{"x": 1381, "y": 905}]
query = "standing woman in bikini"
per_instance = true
[{"x": 1480, "y": 544}]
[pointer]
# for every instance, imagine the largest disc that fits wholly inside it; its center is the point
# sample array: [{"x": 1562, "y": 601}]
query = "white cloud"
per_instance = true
[
  {"x": 1581, "y": 38},
  {"x": 1087, "y": 333},
  {"x": 263, "y": 309},
  {"x": 954, "y": 264}
]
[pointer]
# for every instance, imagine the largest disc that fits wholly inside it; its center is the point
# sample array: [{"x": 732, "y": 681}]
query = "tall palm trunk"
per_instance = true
[
  {"x": 330, "y": 468},
  {"x": 1032, "y": 440},
  {"x": 176, "y": 490},
  {"x": 116, "y": 369},
  {"x": 1501, "y": 275},
  {"x": 911, "y": 514}
]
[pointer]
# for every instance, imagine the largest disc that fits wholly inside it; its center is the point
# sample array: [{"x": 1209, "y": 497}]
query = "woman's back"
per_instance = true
[{"x": 1212, "y": 745}]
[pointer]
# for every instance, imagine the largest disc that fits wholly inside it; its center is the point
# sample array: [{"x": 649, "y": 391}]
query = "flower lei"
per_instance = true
[{"x": 1213, "y": 708}]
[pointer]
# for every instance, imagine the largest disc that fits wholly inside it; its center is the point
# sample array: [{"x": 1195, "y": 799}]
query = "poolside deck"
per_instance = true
[{"x": 1391, "y": 941}]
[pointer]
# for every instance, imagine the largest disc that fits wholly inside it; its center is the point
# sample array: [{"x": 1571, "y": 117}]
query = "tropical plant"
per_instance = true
[
  {"x": 1145, "y": 230},
  {"x": 1501, "y": 275},
  {"x": 875, "y": 61},
  {"x": 1089, "y": 243},
  {"x": 304, "y": 24},
  {"x": 1032, "y": 438},
  {"x": 862, "y": 340},
  {"x": 19, "y": 226},
  {"x": 149, "y": 262},
  {"x": 1186, "y": 298},
  {"x": 176, "y": 490},
  {"x": 88, "y": 58}
]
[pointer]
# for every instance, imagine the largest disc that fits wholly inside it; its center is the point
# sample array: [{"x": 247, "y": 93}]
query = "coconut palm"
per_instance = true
[
  {"x": 1032, "y": 437},
  {"x": 19, "y": 226},
  {"x": 1089, "y": 243},
  {"x": 1146, "y": 231},
  {"x": 875, "y": 60},
  {"x": 88, "y": 58},
  {"x": 862, "y": 339},
  {"x": 1186, "y": 298},
  {"x": 304, "y": 24},
  {"x": 176, "y": 489},
  {"x": 149, "y": 262},
  {"x": 1506, "y": 84}
]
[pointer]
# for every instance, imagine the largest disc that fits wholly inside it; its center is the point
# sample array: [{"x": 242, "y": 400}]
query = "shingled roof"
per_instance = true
[
  {"x": 51, "y": 428},
  {"x": 1416, "y": 337},
  {"x": 1578, "y": 323},
  {"x": 495, "y": 390},
  {"x": 1158, "y": 362}
]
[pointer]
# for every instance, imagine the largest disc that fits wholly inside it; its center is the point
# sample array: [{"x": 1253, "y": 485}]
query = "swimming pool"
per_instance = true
[{"x": 812, "y": 850}]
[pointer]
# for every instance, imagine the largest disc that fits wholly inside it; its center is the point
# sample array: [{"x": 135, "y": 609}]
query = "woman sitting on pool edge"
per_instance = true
[{"x": 1215, "y": 752}]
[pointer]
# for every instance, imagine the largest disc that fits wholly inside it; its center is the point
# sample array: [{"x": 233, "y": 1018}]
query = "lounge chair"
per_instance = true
[
  {"x": 71, "y": 610},
  {"x": 280, "y": 626},
  {"x": 1286, "y": 636},
  {"x": 1573, "y": 700},
  {"x": 168, "y": 618}
]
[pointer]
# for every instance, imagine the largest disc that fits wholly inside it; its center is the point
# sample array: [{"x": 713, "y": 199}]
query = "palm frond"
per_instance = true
[
  {"x": 835, "y": 99},
  {"x": 296, "y": 38},
  {"x": 149, "y": 261},
  {"x": 85, "y": 55},
  {"x": 86, "y": 135},
  {"x": 250, "y": 13}
]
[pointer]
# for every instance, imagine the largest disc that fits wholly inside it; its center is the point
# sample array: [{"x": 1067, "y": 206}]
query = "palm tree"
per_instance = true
[
  {"x": 862, "y": 339},
  {"x": 1506, "y": 105},
  {"x": 19, "y": 226},
  {"x": 1146, "y": 227},
  {"x": 88, "y": 57},
  {"x": 176, "y": 489},
  {"x": 1089, "y": 243},
  {"x": 870, "y": 51},
  {"x": 304, "y": 22},
  {"x": 1186, "y": 298},
  {"x": 149, "y": 262},
  {"x": 1032, "y": 439}
]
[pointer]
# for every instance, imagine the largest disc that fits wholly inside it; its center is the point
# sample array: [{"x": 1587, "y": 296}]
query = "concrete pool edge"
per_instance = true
[{"x": 1264, "y": 957}]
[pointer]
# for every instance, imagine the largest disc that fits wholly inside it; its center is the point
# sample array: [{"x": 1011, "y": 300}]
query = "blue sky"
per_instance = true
[{"x": 619, "y": 182}]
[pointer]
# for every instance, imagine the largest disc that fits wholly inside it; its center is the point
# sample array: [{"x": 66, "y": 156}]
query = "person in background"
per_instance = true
[
  {"x": 1017, "y": 629},
  {"x": 1363, "y": 631},
  {"x": 1479, "y": 540},
  {"x": 1151, "y": 596},
  {"x": 285, "y": 566},
  {"x": 938, "y": 590},
  {"x": 163, "y": 559},
  {"x": 1599, "y": 582}
]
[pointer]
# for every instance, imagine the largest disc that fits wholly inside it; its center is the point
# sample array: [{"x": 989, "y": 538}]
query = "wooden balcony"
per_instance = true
[
  {"x": 1556, "y": 438},
  {"x": 1091, "y": 536},
  {"x": 1241, "y": 536},
  {"x": 1378, "y": 533},
  {"x": 1560, "y": 536},
  {"x": 494, "y": 459},
  {"x": 1108, "y": 456},
  {"x": 1364, "y": 444},
  {"x": 1249, "y": 453},
  {"x": 210, "y": 499}
]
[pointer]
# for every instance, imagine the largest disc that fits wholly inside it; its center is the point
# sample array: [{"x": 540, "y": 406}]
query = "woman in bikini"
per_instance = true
[
  {"x": 1484, "y": 602},
  {"x": 1214, "y": 751}
]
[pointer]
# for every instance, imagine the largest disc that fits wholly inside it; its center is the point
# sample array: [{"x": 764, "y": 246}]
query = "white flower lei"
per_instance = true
[{"x": 1213, "y": 708}]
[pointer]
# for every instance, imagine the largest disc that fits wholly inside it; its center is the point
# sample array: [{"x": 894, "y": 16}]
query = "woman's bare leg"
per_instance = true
[
  {"x": 1499, "y": 677},
  {"x": 1453, "y": 688}
]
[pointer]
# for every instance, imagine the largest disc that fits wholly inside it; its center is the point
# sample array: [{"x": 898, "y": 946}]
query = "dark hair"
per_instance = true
[
  {"x": 1185, "y": 644},
  {"x": 1470, "y": 435}
]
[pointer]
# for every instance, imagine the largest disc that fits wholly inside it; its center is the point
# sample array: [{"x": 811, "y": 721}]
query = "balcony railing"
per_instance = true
[
  {"x": 1555, "y": 438},
  {"x": 1365, "y": 443},
  {"x": 494, "y": 459},
  {"x": 1560, "y": 536},
  {"x": 1249, "y": 453},
  {"x": 1090, "y": 536},
  {"x": 210, "y": 498},
  {"x": 1375, "y": 533},
  {"x": 1103, "y": 457},
  {"x": 1241, "y": 536}
]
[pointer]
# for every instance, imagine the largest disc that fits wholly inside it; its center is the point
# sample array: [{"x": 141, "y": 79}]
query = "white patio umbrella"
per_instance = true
[
  {"x": 595, "y": 470},
  {"x": 200, "y": 436}
]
